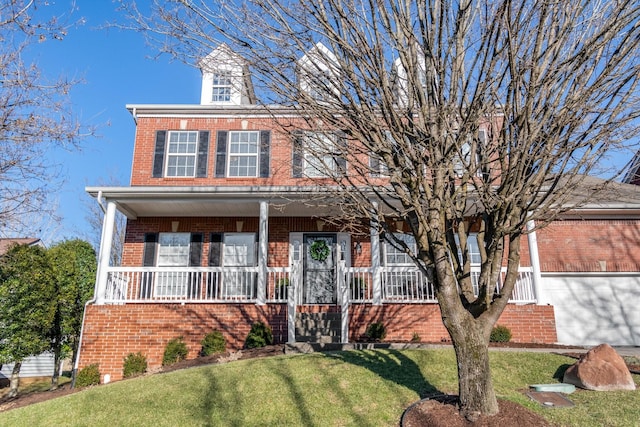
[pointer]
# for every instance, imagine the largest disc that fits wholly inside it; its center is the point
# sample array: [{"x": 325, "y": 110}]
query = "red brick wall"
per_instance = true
[
  {"x": 111, "y": 332},
  {"x": 528, "y": 323},
  {"x": 579, "y": 245}
]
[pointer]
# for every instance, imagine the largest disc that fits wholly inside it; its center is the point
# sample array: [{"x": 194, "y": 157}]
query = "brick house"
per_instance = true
[{"x": 222, "y": 232}]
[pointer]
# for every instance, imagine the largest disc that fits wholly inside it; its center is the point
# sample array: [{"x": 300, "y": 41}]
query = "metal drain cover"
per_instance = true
[{"x": 550, "y": 399}]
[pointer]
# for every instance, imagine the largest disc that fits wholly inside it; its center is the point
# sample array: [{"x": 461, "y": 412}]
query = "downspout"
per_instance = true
[{"x": 76, "y": 362}]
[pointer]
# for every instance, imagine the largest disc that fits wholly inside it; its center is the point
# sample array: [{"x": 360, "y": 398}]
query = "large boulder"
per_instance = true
[{"x": 602, "y": 369}]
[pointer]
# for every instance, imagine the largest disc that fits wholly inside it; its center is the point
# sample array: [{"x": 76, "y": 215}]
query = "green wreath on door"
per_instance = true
[{"x": 319, "y": 250}]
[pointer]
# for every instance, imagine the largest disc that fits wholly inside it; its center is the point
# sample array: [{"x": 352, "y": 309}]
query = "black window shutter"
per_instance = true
[
  {"x": 195, "y": 251},
  {"x": 215, "y": 250},
  {"x": 158, "y": 154},
  {"x": 341, "y": 160},
  {"x": 203, "y": 154},
  {"x": 298, "y": 155},
  {"x": 221, "y": 153},
  {"x": 374, "y": 165},
  {"x": 149, "y": 253},
  {"x": 265, "y": 142}
]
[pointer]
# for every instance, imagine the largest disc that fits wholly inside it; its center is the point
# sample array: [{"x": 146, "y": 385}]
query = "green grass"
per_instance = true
[{"x": 358, "y": 388}]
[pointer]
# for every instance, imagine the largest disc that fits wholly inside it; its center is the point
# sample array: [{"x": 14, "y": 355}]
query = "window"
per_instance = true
[
  {"x": 239, "y": 250},
  {"x": 403, "y": 279},
  {"x": 222, "y": 85},
  {"x": 173, "y": 251},
  {"x": 182, "y": 152},
  {"x": 319, "y": 160},
  {"x": 243, "y": 154},
  {"x": 472, "y": 249},
  {"x": 395, "y": 255}
]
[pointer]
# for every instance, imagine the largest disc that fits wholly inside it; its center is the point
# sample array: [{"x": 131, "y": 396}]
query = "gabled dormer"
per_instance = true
[
  {"x": 225, "y": 79},
  {"x": 318, "y": 73},
  {"x": 402, "y": 83}
]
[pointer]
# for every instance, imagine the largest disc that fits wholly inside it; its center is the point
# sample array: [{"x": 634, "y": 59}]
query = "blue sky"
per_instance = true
[{"x": 117, "y": 70}]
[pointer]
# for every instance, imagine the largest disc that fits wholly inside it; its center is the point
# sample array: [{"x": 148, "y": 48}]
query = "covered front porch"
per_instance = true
[{"x": 317, "y": 269}]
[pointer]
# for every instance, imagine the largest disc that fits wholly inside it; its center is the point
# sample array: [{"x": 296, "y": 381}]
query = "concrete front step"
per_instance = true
[{"x": 318, "y": 327}]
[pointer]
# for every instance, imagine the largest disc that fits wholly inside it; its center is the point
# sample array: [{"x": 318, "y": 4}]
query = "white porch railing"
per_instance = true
[
  {"x": 240, "y": 284},
  {"x": 192, "y": 284}
]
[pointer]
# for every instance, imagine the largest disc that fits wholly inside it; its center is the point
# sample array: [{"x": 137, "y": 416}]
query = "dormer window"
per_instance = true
[
  {"x": 222, "y": 85},
  {"x": 318, "y": 74},
  {"x": 225, "y": 79}
]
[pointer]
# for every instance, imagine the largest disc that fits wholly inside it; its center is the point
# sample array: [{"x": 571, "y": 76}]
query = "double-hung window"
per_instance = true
[
  {"x": 173, "y": 251},
  {"x": 319, "y": 154},
  {"x": 221, "y": 88},
  {"x": 243, "y": 153},
  {"x": 401, "y": 279},
  {"x": 182, "y": 153},
  {"x": 239, "y": 253}
]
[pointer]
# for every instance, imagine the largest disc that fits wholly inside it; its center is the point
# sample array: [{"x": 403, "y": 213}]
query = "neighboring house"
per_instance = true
[
  {"x": 633, "y": 171},
  {"x": 221, "y": 233},
  {"x": 36, "y": 366}
]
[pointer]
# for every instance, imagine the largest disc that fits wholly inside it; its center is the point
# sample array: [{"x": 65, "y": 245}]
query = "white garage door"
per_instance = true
[{"x": 594, "y": 309}]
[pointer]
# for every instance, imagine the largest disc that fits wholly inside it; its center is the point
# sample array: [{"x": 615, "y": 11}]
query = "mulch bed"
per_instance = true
[{"x": 443, "y": 411}]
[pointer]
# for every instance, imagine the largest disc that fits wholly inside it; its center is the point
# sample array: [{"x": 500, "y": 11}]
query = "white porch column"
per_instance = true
[
  {"x": 344, "y": 301},
  {"x": 375, "y": 261},
  {"x": 292, "y": 298},
  {"x": 104, "y": 254},
  {"x": 535, "y": 263},
  {"x": 262, "y": 252}
]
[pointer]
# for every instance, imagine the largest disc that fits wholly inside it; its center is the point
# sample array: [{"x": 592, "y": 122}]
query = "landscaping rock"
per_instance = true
[{"x": 601, "y": 369}]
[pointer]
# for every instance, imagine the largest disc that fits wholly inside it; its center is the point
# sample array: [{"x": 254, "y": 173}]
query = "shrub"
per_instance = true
[
  {"x": 500, "y": 333},
  {"x": 134, "y": 364},
  {"x": 259, "y": 336},
  {"x": 415, "y": 337},
  {"x": 213, "y": 343},
  {"x": 175, "y": 351},
  {"x": 89, "y": 375},
  {"x": 376, "y": 331}
]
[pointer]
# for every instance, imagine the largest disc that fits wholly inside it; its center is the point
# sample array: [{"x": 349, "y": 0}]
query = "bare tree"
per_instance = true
[
  {"x": 484, "y": 115},
  {"x": 35, "y": 116}
]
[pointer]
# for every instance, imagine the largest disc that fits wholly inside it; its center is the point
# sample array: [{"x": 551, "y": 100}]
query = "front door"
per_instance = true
[{"x": 319, "y": 269}]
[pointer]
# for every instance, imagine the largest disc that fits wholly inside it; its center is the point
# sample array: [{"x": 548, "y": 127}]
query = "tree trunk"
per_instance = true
[
  {"x": 471, "y": 344},
  {"x": 475, "y": 386},
  {"x": 15, "y": 379},
  {"x": 56, "y": 368}
]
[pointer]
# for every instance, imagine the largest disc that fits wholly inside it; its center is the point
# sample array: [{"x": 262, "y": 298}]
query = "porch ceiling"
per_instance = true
[{"x": 137, "y": 202}]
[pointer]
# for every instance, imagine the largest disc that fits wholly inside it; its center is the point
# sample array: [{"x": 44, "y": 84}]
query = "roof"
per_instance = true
[
  {"x": 5, "y": 244},
  {"x": 616, "y": 199}
]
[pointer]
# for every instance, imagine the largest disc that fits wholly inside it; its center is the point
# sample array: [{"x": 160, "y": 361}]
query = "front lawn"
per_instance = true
[{"x": 355, "y": 388}]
